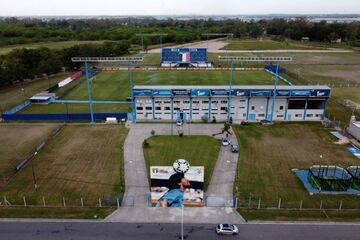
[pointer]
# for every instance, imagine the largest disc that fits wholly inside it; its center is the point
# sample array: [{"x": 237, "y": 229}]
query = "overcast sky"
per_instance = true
[{"x": 171, "y": 7}]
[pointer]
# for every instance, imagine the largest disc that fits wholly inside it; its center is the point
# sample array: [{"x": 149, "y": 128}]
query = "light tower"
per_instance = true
[
  {"x": 233, "y": 59},
  {"x": 129, "y": 60}
]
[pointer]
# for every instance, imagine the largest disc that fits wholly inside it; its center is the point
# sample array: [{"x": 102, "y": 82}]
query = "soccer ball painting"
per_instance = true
[{"x": 181, "y": 166}]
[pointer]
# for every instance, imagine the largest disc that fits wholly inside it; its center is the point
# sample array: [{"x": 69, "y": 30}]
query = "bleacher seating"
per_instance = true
[{"x": 174, "y": 57}]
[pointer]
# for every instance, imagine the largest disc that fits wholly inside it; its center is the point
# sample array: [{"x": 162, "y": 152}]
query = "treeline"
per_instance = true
[
  {"x": 24, "y": 63},
  {"x": 16, "y": 31}
]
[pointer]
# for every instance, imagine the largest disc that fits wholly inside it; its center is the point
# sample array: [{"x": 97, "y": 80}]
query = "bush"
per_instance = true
[
  {"x": 146, "y": 144},
  {"x": 204, "y": 118},
  {"x": 213, "y": 120}
]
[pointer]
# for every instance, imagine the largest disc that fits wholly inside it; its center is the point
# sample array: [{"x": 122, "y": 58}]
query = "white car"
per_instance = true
[
  {"x": 225, "y": 142},
  {"x": 227, "y": 229}
]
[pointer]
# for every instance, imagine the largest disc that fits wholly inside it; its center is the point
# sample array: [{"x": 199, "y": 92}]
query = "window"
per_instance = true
[
  {"x": 139, "y": 108},
  {"x": 176, "y": 101},
  {"x": 214, "y": 102},
  {"x": 224, "y": 101},
  {"x": 157, "y": 108},
  {"x": 252, "y": 107},
  {"x": 315, "y": 104},
  {"x": 242, "y": 100},
  {"x": 297, "y": 104},
  {"x": 166, "y": 101},
  {"x": 261, "y": 115},
  {"x": 158, "y": 102},
  {"x": 186, "y": 102},
  {"x": 167, "y": 108},
  {"x": 241, "y": 107},
  {"x": 318, "y": 115},
  {"x": 205, "y": 102},
  {"x": 148, "y": 108},
  {"x": 148, "y": 101},
  {"x": 177, "y": 109},
  {"x": 195, "y": 109},
  {"x": 281, "y": 108},
  {"x": 309, "y": 115},
  {"x": 244, "y": 114},
  {"x": 139, "y": 101},
  {"x": 205, "y": 109},
  {"x": 280, "y": 116},
  {"x": 223, "y": 108},
  {"x": 186, "y": 109},
  {"x": 196, "y": 102},
  {"x": 298, "y": 115}
]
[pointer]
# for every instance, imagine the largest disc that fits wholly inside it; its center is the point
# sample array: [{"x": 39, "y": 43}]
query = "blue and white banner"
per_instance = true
[
  {"x": 142, "y": 92},
  {"x": 220, "y": 92},
  {"x": 300, "y": 93},
  {"x": 200, "y": 93},
  {"x": 260, "y": 93},
  {"x": 283, "y": 93},
  {"x": 181, "y": 92},
  {"x": 320, "y": 93},
  {"x": 165, "y": 93},
  {"x": 239, "y": 93}
]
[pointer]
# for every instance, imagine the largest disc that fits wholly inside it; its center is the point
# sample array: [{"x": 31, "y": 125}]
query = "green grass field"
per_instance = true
[
  {"x": 267, "y": 155},
  {"x": 198, "y": 150},
  {"x": 13, "y": 95},
  {"x": 82, "y": 161},
  {"x": 115, "y": 86},
  {"x": 51, "y": 45},
  {"x": 343, "y": 80},
  {"x": 266, "y": 44},
  {"x": 18, "y": 142},
  {"x": 75, "y": 108}
]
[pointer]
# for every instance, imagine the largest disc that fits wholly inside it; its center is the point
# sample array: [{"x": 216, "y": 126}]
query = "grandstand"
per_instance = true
[{"x": 185, "y": 57}]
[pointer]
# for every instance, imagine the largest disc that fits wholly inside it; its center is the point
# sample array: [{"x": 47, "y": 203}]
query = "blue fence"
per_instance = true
[
  {"x": 62, "y": 117},
  {"x": 18, "y": 108}
]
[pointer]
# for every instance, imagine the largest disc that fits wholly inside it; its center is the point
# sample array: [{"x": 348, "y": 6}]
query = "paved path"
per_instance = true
[
  {"x": 137, "y": 193},
  {"x": 212, "y": 215}
]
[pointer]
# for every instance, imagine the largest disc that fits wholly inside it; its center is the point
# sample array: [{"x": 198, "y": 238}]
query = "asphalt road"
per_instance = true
[{"x": 123, "y": 231}]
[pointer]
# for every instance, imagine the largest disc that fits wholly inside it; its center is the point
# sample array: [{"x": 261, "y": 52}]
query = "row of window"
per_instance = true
[{"x": 186, "y": 101}]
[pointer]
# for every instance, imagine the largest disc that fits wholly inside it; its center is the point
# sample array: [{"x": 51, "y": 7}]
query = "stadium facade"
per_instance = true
[{"x": 246, "y": 103}]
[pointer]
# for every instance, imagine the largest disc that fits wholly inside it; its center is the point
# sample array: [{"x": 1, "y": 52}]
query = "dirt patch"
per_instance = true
[{"x": 353, "y": 76}]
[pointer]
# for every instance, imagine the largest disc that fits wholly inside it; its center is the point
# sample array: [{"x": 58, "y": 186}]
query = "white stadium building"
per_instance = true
[{"x": 247, "y": 103}]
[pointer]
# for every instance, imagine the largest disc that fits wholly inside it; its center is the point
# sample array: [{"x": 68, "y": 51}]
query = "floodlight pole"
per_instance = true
[
  {"x": 133, "y": 115},
  {"x": 129, "y": 60},
  {"x": 230, "y": 88},
  {"x": 89, "y": 93},
  {"x": 261, "y": 59},
  {"x": 274, "y": 92}
]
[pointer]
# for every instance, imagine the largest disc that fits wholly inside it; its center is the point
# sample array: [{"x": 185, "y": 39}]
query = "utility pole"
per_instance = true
[{"x": 33, "y": 171}]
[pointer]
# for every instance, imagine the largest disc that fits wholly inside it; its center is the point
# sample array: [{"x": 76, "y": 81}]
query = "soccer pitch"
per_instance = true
[{"x": 115, "y": 86}]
